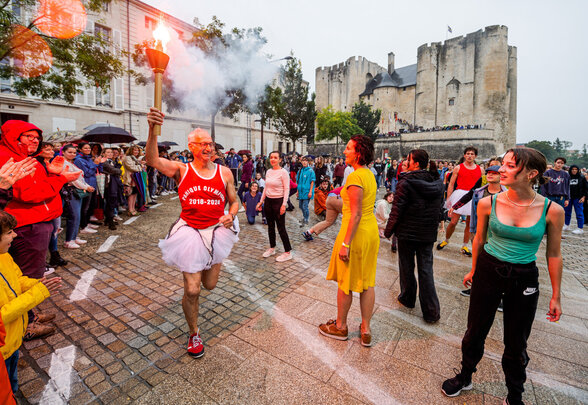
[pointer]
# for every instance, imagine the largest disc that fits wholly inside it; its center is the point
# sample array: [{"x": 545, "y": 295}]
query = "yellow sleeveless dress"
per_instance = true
[{"x": 360, "y": 272}]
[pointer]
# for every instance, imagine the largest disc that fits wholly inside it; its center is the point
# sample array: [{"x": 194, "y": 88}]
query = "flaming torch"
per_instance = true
[{"x": 158, "y": 61}]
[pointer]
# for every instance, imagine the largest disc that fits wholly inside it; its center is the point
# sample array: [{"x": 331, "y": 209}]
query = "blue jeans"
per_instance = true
[
  {"x": 73, "y": 224},
  {"x": 378, "y": 177},
  {"x": 393, "y": 184},
  {"x": 303, "y": 204},
  {"x": 557, "y": 200},
  {"x": 577, "y": 206},
  {"x": 53, "y": 242},
  {"x": 251, "y": 219},
  {"x": 11, "y": 367}
]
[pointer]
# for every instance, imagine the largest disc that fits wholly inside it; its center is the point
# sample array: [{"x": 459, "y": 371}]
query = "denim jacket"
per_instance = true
[{"x": 478, "y": 195}]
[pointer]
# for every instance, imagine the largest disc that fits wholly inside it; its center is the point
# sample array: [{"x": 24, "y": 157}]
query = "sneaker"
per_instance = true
[
  {"x": 365, "y": 338},
  {"x": 57, "y": 260},
  {"x": 164, "y": 193},
  {"x": 88, "y": 230},
  {"x": 118, "y": 218},
  {"x": 71, "y": 245},
  {"x": 307, "y": 235},
  {"x": 269, "y": 252},
  {"x": 500, "y": 306},
  {"x": 93, "y": 226},
  {"x": 112, "y": 226},
  {"x": 331, "y": 330},
  {"x": 466, "y": 252},
  {"x": 81, "y": 241},
  {"x": 566, "y": 228},
  {"x": 48, "y": 270},
  {"x": 264, "y": 221},
  {"x": 37, "y": 330},
  {"x": 195, "y": 345},
  {"x": 284, "y": 257},
  {"x": 242, "y": 209},
  {"x": 466, "y": 293},
  {"x": 42, "y": 317},
  {"x": 507, "y": 402},
  {"x": 93, "y": 218},
  {"x": 442, "y": 245},
  {"x": 578, "y": 231},
  {"x": 143, "y": 209},
  {"x": 455, "y": 385}
]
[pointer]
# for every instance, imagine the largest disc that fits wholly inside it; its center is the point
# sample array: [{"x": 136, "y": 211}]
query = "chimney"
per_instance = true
[{"x": 390, "y": 63}]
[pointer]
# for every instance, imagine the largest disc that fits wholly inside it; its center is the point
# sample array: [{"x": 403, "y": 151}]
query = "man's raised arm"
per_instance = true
[{"x": 167, "y": 167}]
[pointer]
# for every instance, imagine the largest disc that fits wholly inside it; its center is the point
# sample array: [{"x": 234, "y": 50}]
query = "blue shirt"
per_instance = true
[{"x": 304, "y": 178}]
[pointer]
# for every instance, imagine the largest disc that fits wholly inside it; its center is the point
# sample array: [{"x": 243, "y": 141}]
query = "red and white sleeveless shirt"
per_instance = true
[
  {"x": 466, "y": 178},
  {"x": 203, "y": 199}
]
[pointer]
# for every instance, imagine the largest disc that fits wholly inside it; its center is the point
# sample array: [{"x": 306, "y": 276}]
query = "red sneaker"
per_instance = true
[{"x": 195, "y": 345}]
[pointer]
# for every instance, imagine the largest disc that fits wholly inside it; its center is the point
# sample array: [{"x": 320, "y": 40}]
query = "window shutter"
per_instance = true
[
  {"x": 91, "y": 97},
  {"x": 119, "y": 96},
  {"x": 117, "y": 42},
  {"x": 149, "y": 95}
]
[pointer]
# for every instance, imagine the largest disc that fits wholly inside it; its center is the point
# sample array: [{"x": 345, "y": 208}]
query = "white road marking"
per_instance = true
[
  {"x": 107, "y": 244},
  {"x": 58, "y": 389},
  {"x": 130, "y": 220},
  {"x": 155, "y": 206},
  {"x": 80, "y": 291},
  {"x": 174, "y": 198}
]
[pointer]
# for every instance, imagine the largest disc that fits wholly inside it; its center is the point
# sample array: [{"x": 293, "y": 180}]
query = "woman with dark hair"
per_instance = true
[
  {"x": 246, "y": 174},
  {"x": 354, "y": 256},
  {"x": 89, "y": 166},
  {"x": 510, "y": 229},
  {"x": 414, "y": 220},
  {"x": 320, "y": 170},
  {"x": 80, "y": 193},
  {"x": 131, "y": 165}
]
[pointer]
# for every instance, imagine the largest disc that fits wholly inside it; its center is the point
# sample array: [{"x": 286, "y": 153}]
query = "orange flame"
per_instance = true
[{"x": 161, "y": 36}]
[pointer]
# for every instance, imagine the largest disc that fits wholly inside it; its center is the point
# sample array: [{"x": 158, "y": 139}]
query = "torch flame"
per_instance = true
[{"x": 161, "y": 36}]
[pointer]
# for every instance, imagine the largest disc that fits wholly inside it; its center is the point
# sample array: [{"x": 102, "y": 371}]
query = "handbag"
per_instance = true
[{"x": 79, "y": 193}]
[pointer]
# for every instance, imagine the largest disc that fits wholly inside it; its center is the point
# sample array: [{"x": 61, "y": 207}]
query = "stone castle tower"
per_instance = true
[{"x": 469, "y": 80}]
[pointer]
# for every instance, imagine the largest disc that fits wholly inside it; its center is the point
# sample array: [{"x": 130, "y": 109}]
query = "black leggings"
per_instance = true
[
  {"x": 519, "y": 284},
  {"x": 272, "y": 207}
]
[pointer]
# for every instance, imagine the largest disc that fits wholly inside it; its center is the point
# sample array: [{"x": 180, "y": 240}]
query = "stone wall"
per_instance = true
[{"x": 439, "y": 144}]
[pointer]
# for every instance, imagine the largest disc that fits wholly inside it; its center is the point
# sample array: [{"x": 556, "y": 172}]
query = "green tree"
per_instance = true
[
  {"x": 544, "y": 147},
  {"x": 336, "y": 125},
  {"x": 294, "y": 110},
  {"x": 82, "y": 61},
  {"x": 367, "y": 119}
]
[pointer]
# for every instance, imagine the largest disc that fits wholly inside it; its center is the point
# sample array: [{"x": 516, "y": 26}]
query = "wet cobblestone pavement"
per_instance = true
[{"x": 121, "y": 331}]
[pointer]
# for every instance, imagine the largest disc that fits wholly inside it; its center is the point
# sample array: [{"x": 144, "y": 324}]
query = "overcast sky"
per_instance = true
[{"x": 552, "y": 45}]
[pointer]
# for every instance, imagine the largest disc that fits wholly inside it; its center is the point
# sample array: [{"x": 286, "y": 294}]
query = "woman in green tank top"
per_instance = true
[{"x": 510, "y": 228}]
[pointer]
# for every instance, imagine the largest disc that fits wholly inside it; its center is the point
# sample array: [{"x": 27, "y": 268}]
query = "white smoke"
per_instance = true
[{"x": 201, "y": 80}]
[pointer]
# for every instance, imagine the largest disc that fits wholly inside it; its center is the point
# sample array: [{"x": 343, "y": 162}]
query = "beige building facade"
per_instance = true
[
  {"x": 466, "y": 81},
  {"x": 126, "y": 103}
]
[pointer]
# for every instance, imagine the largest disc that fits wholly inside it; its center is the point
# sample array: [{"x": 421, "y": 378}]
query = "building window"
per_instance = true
[
  {"x": 103, "y": 97},
  {"x": 451, "y": 101},
  {"x": 5, "y": 84},
  {"x": 404, "y": 89},
  {"x": 281, "y": 147},
  {"x": 103, "y": 32},
  {"x": 150, "y": 23}
]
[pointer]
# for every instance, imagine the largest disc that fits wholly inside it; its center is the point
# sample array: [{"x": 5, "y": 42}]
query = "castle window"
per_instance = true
[
  {"x": 404, "y": 89},
  {"x": 451, "y": 101}
]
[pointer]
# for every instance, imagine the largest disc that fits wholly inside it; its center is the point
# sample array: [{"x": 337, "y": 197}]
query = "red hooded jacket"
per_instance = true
[{"x": 35, "y": 198}]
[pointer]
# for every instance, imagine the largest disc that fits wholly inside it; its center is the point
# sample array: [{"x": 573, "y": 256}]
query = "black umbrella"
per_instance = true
[
  {"x": 108, "y": 134},
  {"x": 160, "y": 145},
  {"x": 168, "y": 143},
  {"x": 310, "y": 157},
  {"x": 219, "y": 146}
]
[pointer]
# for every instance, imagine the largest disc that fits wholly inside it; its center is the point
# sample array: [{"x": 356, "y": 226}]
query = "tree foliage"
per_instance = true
[
  {"x": 561, "y": 148},
  {"x": 294, "y": 110},
  {"x": 336, "y": 125},
  {"x": 544, "y": 147},
  {"x": 367, "y": 119},
  {"x": 83, "y": 61}
]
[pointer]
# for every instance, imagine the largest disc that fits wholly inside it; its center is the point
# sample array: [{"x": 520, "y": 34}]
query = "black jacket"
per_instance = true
[
  {"x": 416, "y": 208},
  {"x": 578, "y": 185}
]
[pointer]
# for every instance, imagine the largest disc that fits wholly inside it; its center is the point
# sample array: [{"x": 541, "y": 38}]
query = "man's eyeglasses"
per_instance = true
[
  {"x": 204, "y": 145},
  {"x": 31, "y": 137}
]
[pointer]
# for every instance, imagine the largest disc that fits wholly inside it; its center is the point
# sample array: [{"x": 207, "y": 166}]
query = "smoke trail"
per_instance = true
[{"x": 201, "y": 80}]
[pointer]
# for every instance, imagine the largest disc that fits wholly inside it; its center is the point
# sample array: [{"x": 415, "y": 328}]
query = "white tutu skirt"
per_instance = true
[
  {"x": 193, "y": 250},
  {"x": 455, "y": 197}
]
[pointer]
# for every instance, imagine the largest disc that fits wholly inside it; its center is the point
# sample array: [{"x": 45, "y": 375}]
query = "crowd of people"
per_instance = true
[
  {"x": 508, "y": 204},
  {"x": 409, "y": 128}
]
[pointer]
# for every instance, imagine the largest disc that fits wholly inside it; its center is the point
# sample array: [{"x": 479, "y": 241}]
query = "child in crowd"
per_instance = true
[
  {"x": 260, "y": 182},
  {"x": 250, "y": 201},
  {"x": 18, "y": 294},
  {"x": 320, "y": 198}
]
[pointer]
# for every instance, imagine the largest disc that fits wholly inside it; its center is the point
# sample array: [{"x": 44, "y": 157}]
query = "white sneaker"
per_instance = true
[
  {"x": 578, "y": 231},
  {"x": 164, "y": 193},
  {"x": 566, "y": 228},
  {"x": 88, "y": 230},
  {"x": 93, "y": 218},
  {"x": 269, "y": 252},
  {"x": 118, "y": 218},
  {"x": 81, "y": 241},
  {"x": 48, "y": 270},
  {"x": 242, "y": 209},
  {"x": 284, "y": 257},
  {"x": 93, "y": 226},
  {"x": 71, "y": 245}
]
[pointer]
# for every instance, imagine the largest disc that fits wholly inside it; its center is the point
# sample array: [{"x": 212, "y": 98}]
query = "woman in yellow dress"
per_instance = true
[{"x": 353, "y": 261}]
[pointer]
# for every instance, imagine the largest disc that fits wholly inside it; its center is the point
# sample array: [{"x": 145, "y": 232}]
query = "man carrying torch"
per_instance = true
[{"x": 205, "y": 233}]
